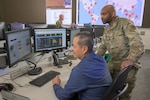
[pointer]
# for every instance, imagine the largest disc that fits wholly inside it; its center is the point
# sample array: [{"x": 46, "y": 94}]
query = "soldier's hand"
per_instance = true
[{"x": 126, "y": 63}]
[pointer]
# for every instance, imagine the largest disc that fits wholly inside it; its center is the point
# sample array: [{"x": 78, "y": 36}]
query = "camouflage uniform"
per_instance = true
[
  {"x": 59, "y": 24},
  {"x": 122, "y": 41}
]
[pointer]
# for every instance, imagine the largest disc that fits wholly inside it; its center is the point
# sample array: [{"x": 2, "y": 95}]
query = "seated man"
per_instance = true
[{"x": 90, "y": 78}]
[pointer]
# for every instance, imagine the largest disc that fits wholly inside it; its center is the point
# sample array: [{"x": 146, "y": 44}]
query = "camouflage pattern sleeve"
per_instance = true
[
  {"x": 135, "y": 42},
  {"x": 102, "y": 48},
  {"x": 58, "y": 24}
]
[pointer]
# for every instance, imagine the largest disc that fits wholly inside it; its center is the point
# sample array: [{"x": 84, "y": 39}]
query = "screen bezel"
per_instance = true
[
  {"x": 51, "y": 48},
  {"x": 11, "y": 64}
]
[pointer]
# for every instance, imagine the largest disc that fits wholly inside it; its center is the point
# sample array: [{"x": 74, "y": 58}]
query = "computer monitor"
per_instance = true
[
  {"x": 36, "y": 25},
  {"x": 49, "y": 39},
  {"x": 89, "y": 29},
  {"x": 98, "y": 32},
  {"x": 18, "y": 45},
  {"x": 2, "y": 28},
  {"x": 73, "y": 32}
]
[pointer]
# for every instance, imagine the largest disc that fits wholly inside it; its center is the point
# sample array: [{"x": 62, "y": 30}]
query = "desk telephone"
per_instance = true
[{"x": 59, "y": 59}]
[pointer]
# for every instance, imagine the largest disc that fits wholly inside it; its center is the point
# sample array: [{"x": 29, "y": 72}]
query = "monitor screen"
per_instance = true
[
  {"x": 56, "y": 7},
  {"x": 73, "y": 32},
  {"x": 88, "y": 11},
  {"x": 18, "y": 45},
  {"x": 98, "y": 32},
  {"x": 2, "y": 27},
  {"x": 49, "y": 39},
  {"x": 89, "y": 29}
]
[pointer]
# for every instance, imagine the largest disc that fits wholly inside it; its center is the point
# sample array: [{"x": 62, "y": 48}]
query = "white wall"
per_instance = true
[{"x": 145, "y": 35}]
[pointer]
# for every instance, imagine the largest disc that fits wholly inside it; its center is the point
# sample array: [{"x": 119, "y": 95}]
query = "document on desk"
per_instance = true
[{"x": 12, "y": 96}]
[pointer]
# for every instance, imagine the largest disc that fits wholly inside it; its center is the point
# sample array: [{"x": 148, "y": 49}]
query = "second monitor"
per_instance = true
[
  {"x": 18, "y": 45},
  {"x": 49, "y": 39}
]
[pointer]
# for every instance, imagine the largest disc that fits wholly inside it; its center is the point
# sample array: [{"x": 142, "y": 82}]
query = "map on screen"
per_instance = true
[{"x": 88, "y": 11}]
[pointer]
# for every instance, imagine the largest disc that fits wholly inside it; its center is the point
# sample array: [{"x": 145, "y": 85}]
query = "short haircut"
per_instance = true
[
  {"x": 85, "y": 39},
  {"x": 61, "y": 15}
]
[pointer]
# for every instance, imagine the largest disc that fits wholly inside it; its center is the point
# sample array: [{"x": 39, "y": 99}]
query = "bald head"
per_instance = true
[
  {"x": 109, "y": 8},
  {"x": 108, "y": 14},
  {"x": 61, "y": 17}
]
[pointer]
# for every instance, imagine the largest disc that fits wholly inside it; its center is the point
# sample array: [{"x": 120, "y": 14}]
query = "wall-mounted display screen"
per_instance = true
[
  {"x": 56, "y": 7},
  {"x": 88, "y": 11}
]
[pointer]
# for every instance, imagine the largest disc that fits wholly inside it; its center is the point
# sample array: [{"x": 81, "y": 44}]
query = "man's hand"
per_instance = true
[
  {"x": 56, "y": 80},
  {"x": 126, "y": 63}
]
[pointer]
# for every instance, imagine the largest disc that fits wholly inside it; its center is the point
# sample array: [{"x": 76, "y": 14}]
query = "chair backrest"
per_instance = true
[{"x": 117, "y": 85}]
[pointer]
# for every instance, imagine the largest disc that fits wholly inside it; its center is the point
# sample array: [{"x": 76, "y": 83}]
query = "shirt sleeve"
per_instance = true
[
  {"x": 57, "y": 24},
  {"x": 102, "y": 48},
  {"x": 135, "y": 42},
  {"x": 71, "y": 88}
]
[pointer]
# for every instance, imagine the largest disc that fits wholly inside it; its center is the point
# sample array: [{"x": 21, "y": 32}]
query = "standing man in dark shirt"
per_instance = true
[
  {"x": 90, "y": 78},
  {"x": 124, "y": 45}
]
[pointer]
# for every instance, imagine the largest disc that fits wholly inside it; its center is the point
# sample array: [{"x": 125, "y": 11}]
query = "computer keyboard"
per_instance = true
[{"x": 43, "y": 79}]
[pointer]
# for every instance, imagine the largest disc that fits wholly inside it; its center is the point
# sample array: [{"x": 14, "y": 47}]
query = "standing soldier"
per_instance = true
[{"x": 124, "y": 45}]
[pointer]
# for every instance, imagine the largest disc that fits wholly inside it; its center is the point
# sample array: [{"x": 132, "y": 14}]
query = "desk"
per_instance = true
[{"x": 22, "y": 86}]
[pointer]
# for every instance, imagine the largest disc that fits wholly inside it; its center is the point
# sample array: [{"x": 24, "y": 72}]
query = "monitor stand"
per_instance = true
[{"x": 35, "y": 71}]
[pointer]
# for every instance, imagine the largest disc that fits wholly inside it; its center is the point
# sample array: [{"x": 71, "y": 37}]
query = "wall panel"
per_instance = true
[{"x": 23, "y": 11}]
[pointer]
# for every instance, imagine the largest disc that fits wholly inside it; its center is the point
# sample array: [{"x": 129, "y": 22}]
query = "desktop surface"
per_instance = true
[{"x": 45, "y": 92}]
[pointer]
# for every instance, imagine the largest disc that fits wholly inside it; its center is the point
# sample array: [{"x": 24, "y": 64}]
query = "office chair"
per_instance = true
[{"x": 118, "y": 86}]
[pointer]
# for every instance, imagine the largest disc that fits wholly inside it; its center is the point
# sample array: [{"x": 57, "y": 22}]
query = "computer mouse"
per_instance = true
[{"x": 6, "y": 86}]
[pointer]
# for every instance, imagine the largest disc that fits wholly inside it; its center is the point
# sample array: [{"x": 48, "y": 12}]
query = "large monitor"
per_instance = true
[
  {"x": 49, "y": 39},
  {"x": 18, "y": 45},
  {"x": 56, "y": 7},
  {"x": 88, "y": 11},
  {"x": 2, "y": 28}
]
